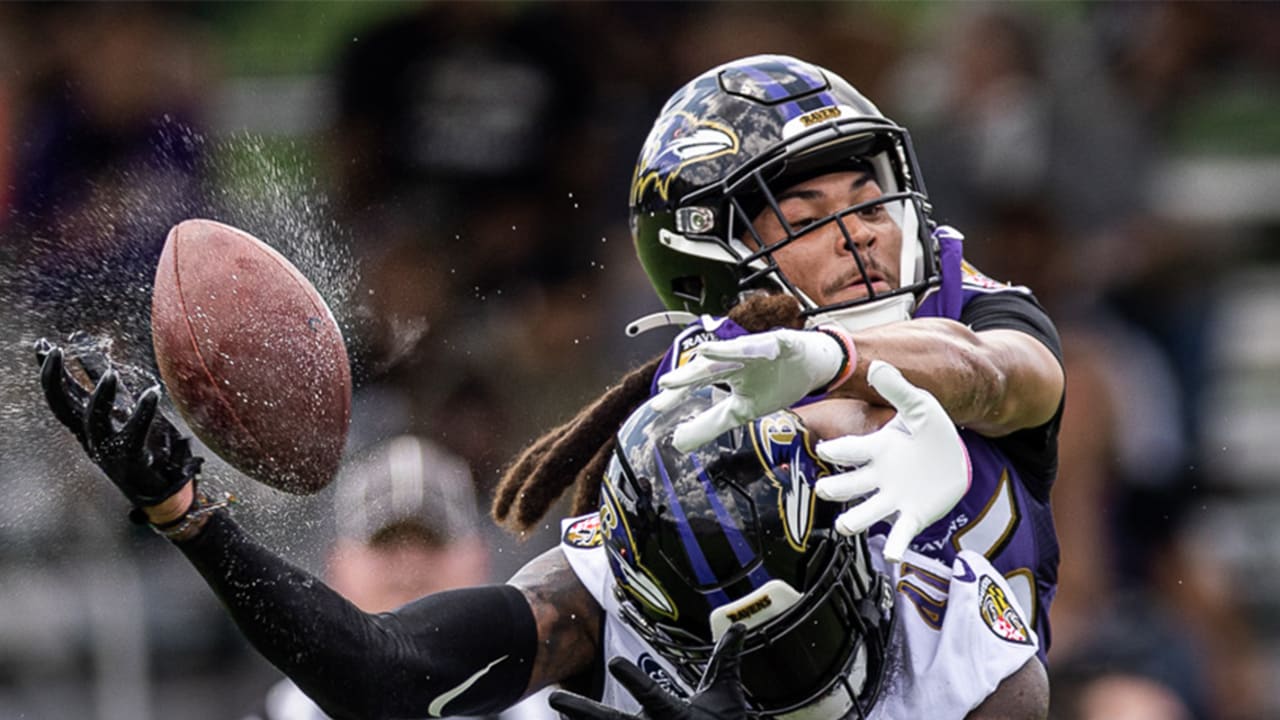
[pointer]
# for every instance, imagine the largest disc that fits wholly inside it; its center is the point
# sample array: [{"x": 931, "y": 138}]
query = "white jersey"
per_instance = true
[{"x": 958, "y": 631}]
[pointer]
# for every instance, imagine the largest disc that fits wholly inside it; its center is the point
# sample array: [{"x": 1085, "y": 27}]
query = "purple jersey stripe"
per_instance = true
[{"x": 701, "y": 568}]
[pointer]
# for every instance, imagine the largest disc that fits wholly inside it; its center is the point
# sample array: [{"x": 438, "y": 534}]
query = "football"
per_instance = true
[{"x": 251, "y": 356}]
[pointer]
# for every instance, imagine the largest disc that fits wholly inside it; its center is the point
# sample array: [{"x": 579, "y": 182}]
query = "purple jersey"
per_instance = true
[{"x": 1005, "y": 515}]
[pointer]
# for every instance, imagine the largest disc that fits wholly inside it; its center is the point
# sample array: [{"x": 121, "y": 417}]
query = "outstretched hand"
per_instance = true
[
  {"x": 765, "y": 372},
  {"x": 916, "y": 466},
  {"x": 138, "y": 449},
  {"x": 719, "y": 695}
]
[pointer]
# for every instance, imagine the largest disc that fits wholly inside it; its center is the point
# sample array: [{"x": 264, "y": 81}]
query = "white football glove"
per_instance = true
[
  {"x": 917, "y": 465},
  {"x": 765, "y": 372}
]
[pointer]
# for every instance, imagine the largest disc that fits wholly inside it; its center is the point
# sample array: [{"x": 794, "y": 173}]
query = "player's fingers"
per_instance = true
[
  {"x": 98, "y": 421},
  {"x": 723, "y": 667},
  {"x": 849, "y": 450},
  {"x": 709, "y": 424},
  {"x": 697, "y": 372},
  {"x": 731, "y": 642},
  {"x": 887, "y": 380},
  {"x": 135, "y": 428},
  {"x": 577, "y": 707},
  {"x": 42, "y": 347},
  {"x": 51, "y": 368},
  {"x": 60, "y": 392},
  {"x": 849, "y": 485},
  {"x": 746, "y": 347},
  {"x": 667, "y": 399},
  {"x": 864, "y": 515},
  {"x": 655, "y": 701},
  {"x": 904, "y": 531}
]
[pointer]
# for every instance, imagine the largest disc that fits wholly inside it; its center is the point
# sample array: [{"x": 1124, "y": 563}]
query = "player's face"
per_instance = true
[{"x": 820, "y": 262}]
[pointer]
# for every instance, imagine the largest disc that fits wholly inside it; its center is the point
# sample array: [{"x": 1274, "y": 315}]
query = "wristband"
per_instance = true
[
  {"x": 187, "y": 525},
  {"x": 848, "y": 364}
]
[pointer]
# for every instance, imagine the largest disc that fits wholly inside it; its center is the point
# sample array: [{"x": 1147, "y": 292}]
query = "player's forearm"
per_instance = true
[
  {"x": 413, "y": 662},
  {"x": 172, "y": 507},
  {"x": 972, "y": 379}
]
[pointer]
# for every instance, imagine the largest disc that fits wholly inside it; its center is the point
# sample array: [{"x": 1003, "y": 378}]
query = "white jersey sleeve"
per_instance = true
[{"x": 959, "y": 633}]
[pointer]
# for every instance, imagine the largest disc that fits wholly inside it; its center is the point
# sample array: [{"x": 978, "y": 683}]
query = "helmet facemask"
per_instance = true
[
  {"x": 778, "y": 657},
  {"x": 883, "y": 153}
]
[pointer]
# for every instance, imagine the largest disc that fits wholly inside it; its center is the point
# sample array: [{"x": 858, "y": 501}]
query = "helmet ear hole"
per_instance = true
[{"x": 689, "y": 287}]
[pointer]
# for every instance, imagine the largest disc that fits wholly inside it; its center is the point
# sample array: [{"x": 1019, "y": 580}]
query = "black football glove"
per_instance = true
[
  {"x": 718, "y": 697},
  {"x": 139, "y": 450}
]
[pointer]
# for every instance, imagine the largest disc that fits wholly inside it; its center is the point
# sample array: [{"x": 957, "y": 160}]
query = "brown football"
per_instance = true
[{"x": 251, "y": 356}]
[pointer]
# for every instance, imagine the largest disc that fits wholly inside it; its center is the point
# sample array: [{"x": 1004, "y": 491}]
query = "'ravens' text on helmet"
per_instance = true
[
  {"x": 733, "y": 532},
  {"x": 722, "y": 149}
]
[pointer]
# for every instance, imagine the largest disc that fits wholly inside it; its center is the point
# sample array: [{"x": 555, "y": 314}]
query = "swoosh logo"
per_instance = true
[
  {"x": 436, "y": 708},
  {"x": 712, "y": 324}
]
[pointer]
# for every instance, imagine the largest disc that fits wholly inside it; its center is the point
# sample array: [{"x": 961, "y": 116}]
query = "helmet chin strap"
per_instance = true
[{"x": 872, "y": 314}]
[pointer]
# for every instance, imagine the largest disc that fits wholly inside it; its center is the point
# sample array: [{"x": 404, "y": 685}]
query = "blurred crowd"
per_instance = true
[{"x": 454, "y": 178}]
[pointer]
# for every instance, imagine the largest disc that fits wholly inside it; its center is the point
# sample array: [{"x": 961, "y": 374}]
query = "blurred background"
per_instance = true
[{"x": 453, "y": 177}]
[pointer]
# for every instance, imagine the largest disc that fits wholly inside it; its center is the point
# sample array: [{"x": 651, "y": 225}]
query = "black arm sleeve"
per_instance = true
[
  {"x": 466, "y": 651},
  {"x": 1013, "y": 311},
  {"x": 1033, "y": 450}
]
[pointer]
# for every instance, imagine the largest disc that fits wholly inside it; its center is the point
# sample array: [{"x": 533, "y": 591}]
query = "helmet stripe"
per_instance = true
[
  {"x": 769, "y": 85},
  {"x": 807, "y": 75},
  {"x": 806, "y": 105},
  {"x": 779, "y": 80},
  {"x": 741, "y": 548},
  {"x": 783, "y": 80},
  {"x": 815, "y": 102},
  {"x": 692, "y": 550}
]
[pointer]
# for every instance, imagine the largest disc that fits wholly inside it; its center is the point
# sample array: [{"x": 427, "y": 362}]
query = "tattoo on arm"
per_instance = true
[{"x": 569, "y": 619}]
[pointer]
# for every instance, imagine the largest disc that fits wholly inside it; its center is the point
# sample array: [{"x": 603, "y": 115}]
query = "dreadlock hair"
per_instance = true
[{"x": 576, "y": 452}]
